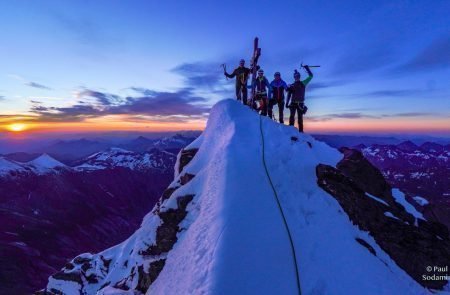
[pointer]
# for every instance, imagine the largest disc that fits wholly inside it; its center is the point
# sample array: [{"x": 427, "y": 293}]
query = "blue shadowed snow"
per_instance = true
[{"x": 236, "y": 242}]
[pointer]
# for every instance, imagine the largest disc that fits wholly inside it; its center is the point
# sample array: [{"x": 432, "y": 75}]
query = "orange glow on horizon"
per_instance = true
[
  {"x": 123, "y": 123},
  {"x": 101, "y": 125},
  {"x": 393, "y": 125},
  {"x": 17, "y": 127}
]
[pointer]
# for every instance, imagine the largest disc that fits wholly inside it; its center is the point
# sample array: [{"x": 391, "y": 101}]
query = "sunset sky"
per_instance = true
[{"x": 84, "y": 66}]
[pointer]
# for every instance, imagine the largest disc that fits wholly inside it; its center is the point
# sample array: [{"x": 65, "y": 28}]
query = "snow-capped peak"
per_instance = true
[
  {"x": 119, "y": 150},
  {"x": 41, "y": 165},
  {"x": 7, "y": 166},
  {"x": 177, "y": 140},
  {"x": 45, "y": 161},
  {"x": 109, "y": 153},
  {"x": 408, "y": 146},
  {"x": 118, "y": 157}
]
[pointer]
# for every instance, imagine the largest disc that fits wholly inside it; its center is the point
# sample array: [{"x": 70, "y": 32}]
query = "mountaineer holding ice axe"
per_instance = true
[
  {"x": 296, "y": 91},
  {"x": 242, "y": 74}
]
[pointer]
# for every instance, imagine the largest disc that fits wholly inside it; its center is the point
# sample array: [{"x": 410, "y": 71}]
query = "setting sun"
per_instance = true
[{"x": 17, "y": 127}]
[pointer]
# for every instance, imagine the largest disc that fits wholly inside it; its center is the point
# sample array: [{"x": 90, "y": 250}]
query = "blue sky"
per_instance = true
[{"x": 381, "y": 60}]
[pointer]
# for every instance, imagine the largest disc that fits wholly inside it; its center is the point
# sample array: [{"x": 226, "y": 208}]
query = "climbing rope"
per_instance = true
[{"x": 280, "y": 208}]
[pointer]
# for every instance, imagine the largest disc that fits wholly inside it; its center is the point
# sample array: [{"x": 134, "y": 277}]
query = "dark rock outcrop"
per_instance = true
[
  {"x": 185, "y": 178},
  {"x": 186, "y": 157},
  {"x": 360, "y": 170},
  {"x": 439, "y": 211},
  {"x": 68, "y": 276},
  {"x": 413, "y": 246},
  {"x": 166, "y": 233},
  {"x": 147, "y": 278},
  {"x": 367, "y": 246}
]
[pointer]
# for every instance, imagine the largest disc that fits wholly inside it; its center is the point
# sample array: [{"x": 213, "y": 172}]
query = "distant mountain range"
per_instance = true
[
  {"x": 117, "y": 157},
  {"x": 51, "y": 211},
  {"x": 41, "y": 165},
  {"x": 71, "y": 151},
  {"x": 422, "y": 172},
  {"x": 419, "y": 170},
  {"x": 109, "y": 159},
  {"x": 338, "y": 141}
]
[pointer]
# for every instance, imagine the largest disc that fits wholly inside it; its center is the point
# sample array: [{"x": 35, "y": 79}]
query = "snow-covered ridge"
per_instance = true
[
  {"x": 108, "y": 159},
  {"x": 217, "y": 229},
  {"x": 41, "y": 165},
  {"x": 173, "y": 141},
  {"x": 118, "y": 157},
  {"x": 44, "y": 162},
  {"x": 8, "y": 166},
  {"x": 383, "y": 152}
]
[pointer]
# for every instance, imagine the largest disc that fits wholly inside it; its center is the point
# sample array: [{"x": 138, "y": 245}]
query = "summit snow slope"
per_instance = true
[
  {"x": 232, "y": 239},
  {"x": 236, "y": 242}
]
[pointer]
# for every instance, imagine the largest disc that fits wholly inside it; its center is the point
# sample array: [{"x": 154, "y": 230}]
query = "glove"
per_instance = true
[
  {"x": 287, "y": 105},
  {"x": 308, "y": 70},
  {"x": 305, "y": 109}
]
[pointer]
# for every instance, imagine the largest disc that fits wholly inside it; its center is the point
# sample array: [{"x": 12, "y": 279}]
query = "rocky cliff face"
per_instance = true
[
  {"x": 422, "y": 172},
  {"x": 412, "y": 242}
]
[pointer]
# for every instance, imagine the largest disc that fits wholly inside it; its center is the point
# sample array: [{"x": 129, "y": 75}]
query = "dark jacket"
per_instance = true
[
  {"x": 296, "y": 91},
  {"x": 278, "y": 88},
  {"x": 241, "y": 74},
  {"x": 260, "y": 85}
]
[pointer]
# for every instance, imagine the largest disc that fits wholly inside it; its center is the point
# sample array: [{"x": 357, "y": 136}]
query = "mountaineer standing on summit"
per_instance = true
[
  {"x": 262, "y": 90},
  {"x": 296, "y": 91},
  {"x": 278, "y": 87},
  {"x": 241, "y": 73}
]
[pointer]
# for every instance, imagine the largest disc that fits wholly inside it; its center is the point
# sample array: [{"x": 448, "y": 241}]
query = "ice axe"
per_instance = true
[
  {"x": 302, "y": 65},
  {"x": 224, "y": 66}
]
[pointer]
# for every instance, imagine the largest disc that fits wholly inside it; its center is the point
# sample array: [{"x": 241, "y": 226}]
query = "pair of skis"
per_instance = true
[{"x": 254, "y": 67}]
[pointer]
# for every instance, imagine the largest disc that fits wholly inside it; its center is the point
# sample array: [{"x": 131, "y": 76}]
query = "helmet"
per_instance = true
[
  {"x": 260, "y": 71},
  {"x": 277, "y": 74},
  {"x": 242, "y": 61},
  {"x": 296, "y": 74}
]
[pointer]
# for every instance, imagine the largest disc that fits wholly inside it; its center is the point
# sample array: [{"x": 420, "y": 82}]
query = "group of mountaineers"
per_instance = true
[{"x": 266, "y": 95}]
